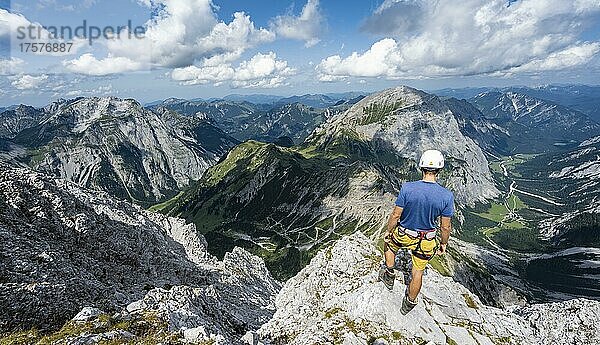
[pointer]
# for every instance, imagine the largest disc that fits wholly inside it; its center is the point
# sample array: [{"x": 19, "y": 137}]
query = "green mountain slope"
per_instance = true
[{"x": 286, "y": 203}]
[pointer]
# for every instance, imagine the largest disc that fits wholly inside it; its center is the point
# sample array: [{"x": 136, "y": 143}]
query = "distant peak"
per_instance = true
[{"x": 108, "y": 101}]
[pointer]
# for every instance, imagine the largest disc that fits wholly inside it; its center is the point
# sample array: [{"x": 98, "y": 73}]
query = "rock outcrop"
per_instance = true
[
  {"x": 146, "y": 277},
  {"x": 336, "y": 299},
  {"x": 63, "y": 248}
]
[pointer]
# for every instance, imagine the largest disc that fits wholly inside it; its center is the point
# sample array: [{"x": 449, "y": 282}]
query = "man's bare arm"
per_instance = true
[
  {"x": 393, "y": 220},
  {"x": 446, "y": 225}
]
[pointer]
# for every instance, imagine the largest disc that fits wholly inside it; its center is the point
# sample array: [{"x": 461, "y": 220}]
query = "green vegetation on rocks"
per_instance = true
[
  {"x": 440, "y": 264},
  {"x": 145, "y": 328},
  {"x": 376, "y": 112},
  {"x": 270, "y": 199}
]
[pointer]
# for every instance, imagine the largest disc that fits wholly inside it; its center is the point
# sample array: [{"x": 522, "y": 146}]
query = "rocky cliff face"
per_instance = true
[
  {"x": 533, "y": 124},
  {"x": 336, "y": 299},
  {"x": 63, "y": 248},
  {"x": 410, "y": 121},
  {"x": 118, "y": 146},
  {"x": 491, "y": 137},
  {"x": 17, "y": 119}
]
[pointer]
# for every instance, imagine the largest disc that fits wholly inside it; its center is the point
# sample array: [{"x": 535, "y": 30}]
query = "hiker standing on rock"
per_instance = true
[{"x": 413, "y": 225}]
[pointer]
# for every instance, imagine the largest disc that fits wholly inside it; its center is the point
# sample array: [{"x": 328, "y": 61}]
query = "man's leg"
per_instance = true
[
  {"x": 414, "y": 287},
  {"x": 415, "y": 284},
  {"x": 390, "y": 257},
  {"x": 386, "y": 274},
  {"x": 418, "y": 267}
]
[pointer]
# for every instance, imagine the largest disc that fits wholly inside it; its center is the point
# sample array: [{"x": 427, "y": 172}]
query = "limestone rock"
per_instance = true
[
  {"x": 337, "y": 299},
  {"x": 86, "y": 314},
  {"x": 63, "y": 248}
]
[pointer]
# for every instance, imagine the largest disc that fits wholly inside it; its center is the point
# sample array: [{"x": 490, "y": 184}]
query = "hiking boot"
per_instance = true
[
  {"x": 387, "y": 276},
  {"x": 407, "y": 305}
]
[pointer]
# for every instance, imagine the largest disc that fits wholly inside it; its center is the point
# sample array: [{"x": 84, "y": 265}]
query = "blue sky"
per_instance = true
[{"x": 203, "y": 48}]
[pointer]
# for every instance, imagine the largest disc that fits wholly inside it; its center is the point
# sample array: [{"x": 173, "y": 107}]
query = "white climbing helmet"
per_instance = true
[{"x": 432, "y": 159}]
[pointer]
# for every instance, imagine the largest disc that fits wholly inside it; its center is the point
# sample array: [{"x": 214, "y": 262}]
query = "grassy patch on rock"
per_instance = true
[{"x": 146, "y": 328}]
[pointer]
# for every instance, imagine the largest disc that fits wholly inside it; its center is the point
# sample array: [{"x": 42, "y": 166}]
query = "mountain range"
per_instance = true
[
  {"x": 311, "y": 100},
  {"x": 116, "y": 145},
  {"x": 583, "y": 98},
  {"x": 293, "y": 117},
  {"x": 283, "y": 202},
  {"x": 305, "y": 190},
  {"x": 533, "y": 124}
]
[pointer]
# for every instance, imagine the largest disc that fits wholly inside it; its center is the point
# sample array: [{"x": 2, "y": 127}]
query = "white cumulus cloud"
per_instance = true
[
  {"x": 181, "y": 34},
  {"x": 377, "y": 61},
  {"x": 10, "y": 66},
  {"x": 398, "y": 17},
  {"x": 305, "y": 27},
  {"x": 261, "y": 71},
  {"x": 28, "y": 82},
  {"x": 90, "y": 65},
  {"x": 16, "y": 27},
  {"x": 432, "y": 38},
  {"x": 572, "y": 56}
]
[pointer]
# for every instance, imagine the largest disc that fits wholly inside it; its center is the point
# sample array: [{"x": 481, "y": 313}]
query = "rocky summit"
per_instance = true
[
  {"x": 409, "y": 122},
  {"x": 336, "y": 299}
]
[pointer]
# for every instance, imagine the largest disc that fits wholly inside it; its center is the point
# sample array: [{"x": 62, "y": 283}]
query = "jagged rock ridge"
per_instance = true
[
  {"x": 63, "y": 248},
  {"x": 336, "y": 299}
]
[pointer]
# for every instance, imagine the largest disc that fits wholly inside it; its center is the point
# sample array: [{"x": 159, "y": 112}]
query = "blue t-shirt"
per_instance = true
[{"x": 422, "y": 203}]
